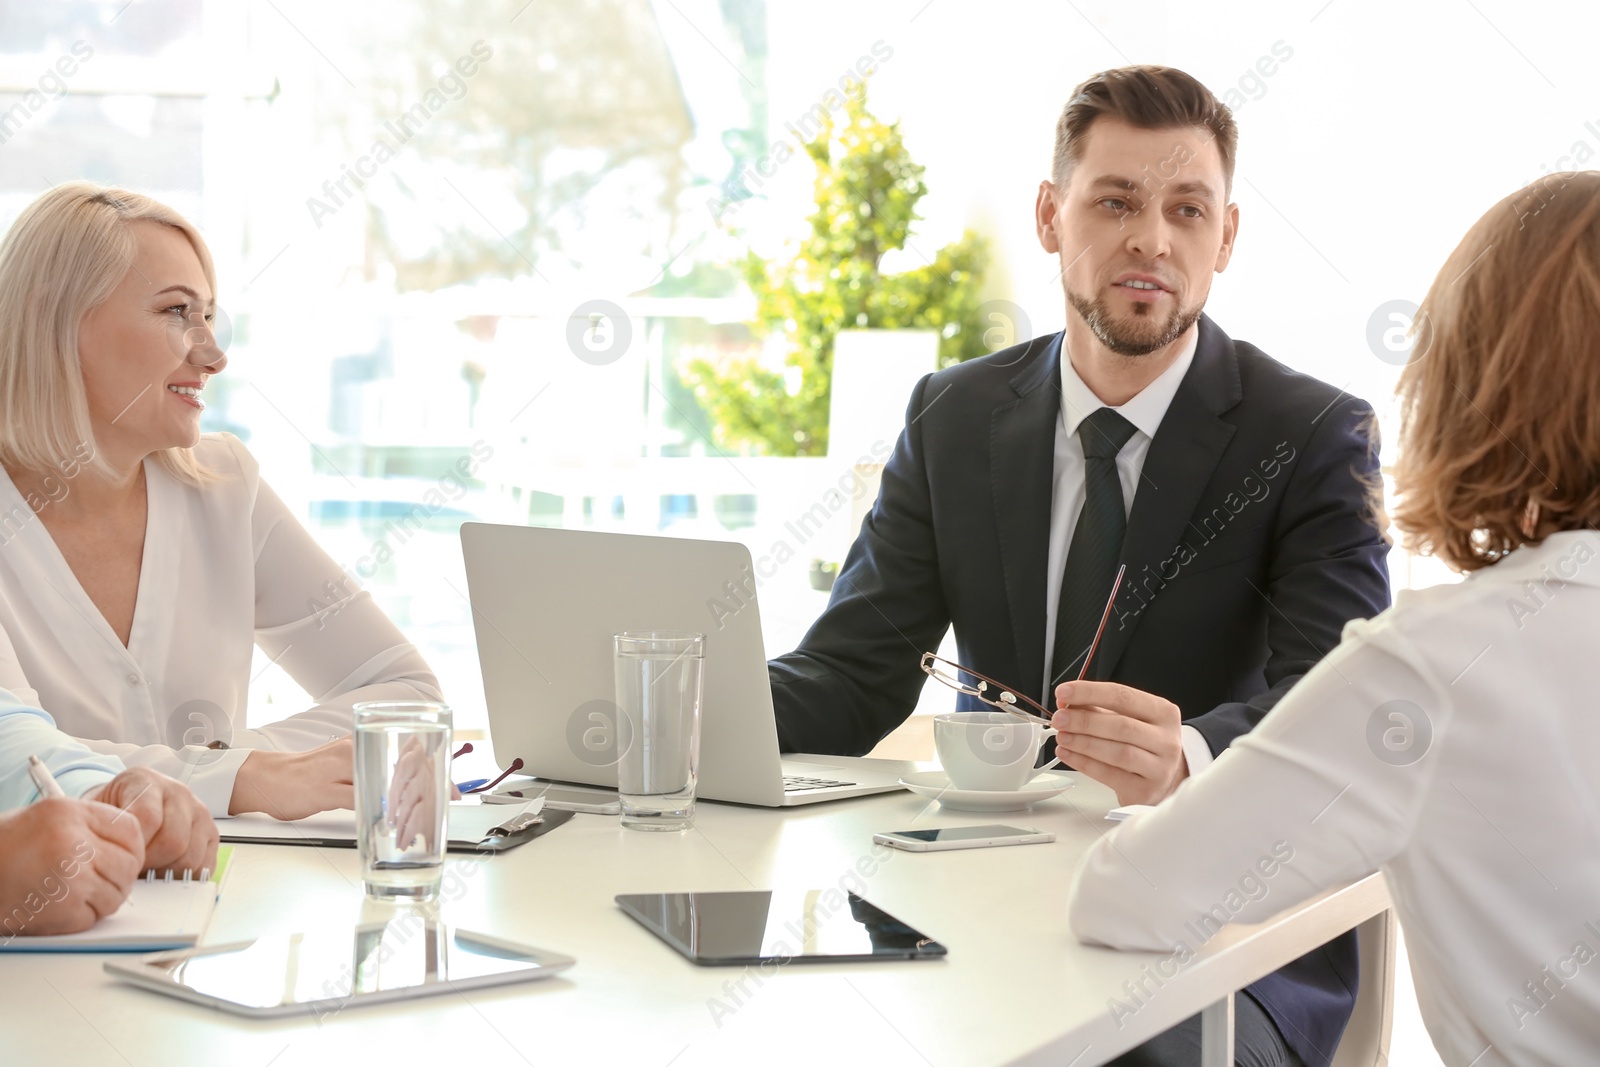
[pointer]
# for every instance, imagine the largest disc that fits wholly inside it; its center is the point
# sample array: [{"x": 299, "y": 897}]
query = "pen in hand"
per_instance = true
[
  {"x": 48, "y": 786},
  {"x": 1083, "y": 672}
]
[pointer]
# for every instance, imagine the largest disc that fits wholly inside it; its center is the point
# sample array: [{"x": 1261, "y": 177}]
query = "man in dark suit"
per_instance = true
[{"x": 1232, "y": 488}]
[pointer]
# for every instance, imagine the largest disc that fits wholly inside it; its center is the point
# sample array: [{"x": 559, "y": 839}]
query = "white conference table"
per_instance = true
[{"x": 1017, "y": 987}]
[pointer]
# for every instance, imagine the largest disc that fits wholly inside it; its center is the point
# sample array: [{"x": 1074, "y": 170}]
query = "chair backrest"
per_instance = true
[{"x": 1366, "y": 1038}]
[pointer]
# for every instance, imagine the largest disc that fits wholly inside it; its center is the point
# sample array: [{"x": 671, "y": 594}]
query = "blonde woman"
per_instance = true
[
  {"x": 140, "y": 560},
  {"x": 1450, "y": 741}
]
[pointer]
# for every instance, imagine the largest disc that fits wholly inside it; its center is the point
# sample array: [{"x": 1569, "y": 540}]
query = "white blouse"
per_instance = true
[
  {"x": 225, "y": 567},
  {"x": 1450, "y": 742}
]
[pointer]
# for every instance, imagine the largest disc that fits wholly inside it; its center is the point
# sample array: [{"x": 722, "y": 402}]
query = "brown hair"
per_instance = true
[
  {"x": 1149, "y": 97},
  {"x": 1500, "y": 401}
]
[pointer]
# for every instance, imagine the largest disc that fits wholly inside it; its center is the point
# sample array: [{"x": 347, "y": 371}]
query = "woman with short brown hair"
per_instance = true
[
  {"x": 1450, "y": 741},
  {"x": 1500, "y": 403}
]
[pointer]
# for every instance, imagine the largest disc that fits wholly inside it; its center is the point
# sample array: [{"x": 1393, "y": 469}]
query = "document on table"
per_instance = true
[
  {"x": 469, "y": 823},
  {"x": 158, "y": 914}
]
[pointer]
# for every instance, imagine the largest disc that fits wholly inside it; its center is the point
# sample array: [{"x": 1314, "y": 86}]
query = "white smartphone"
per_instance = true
[{"x": 943, "y": 839}]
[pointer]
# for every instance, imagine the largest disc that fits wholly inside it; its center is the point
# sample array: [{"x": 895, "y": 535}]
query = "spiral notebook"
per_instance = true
[{"x": 158, "y": 914}]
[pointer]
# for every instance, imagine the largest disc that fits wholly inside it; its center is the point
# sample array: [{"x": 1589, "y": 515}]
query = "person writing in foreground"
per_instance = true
[
  {"x": 71, "y": 860},
  {"x": 1449, "y": 742},
  {"x": 1231, "y": 487},
  {"x": 143, "y": 561}
]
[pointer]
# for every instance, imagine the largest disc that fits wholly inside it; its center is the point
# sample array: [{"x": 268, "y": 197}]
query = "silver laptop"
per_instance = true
[{"x": 545, "y": 604}]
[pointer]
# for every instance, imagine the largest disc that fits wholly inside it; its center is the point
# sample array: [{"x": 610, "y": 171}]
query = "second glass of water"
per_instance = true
[
  {"x": 659, "y": 676},
  {"x": 402, "y": 784}
]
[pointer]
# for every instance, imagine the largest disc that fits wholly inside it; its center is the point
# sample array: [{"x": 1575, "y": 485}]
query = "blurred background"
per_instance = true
[{"x": 585, "y": 262}]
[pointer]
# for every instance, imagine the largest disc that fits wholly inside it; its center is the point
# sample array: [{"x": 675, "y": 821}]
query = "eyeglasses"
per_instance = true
[
  {"x": 1003, "y": 697},
  {"x": 483, "y": 785},
  {"x": 993, "y": 693}
]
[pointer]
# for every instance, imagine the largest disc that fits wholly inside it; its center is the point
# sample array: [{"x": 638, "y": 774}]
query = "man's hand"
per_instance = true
[
  {"x": 292, "y": 785},
  {"x": 68, "y": 863},
  {"x": 179, "y": 834},
  {"x": 1125, "y": 739}
]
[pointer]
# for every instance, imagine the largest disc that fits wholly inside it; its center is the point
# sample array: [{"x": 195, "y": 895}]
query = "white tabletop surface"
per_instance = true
[{"x": 1016, "y": 987}]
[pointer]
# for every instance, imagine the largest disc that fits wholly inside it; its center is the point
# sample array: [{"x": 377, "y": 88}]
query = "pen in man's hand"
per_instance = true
[{"x": 48, "y": 786}]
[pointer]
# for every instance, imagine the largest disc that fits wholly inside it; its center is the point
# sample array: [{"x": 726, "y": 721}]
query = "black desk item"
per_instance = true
[
  {"x": 777, "y": 926},
  {"x": 523, "y": 831}
]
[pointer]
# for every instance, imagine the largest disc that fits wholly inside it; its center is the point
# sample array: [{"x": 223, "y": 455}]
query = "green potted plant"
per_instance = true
[{"x": 866, "y": 192}]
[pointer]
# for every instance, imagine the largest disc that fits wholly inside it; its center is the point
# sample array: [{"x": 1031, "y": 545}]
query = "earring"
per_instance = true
[{"x": 1530, "y": 518}]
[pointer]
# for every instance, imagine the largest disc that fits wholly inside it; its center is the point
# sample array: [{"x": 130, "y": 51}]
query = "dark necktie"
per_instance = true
[{"x": 1096, "y": 544}]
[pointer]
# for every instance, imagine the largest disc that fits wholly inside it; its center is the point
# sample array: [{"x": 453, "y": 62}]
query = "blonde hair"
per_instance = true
[
  {"x": 1500, "y": 403},
  {"x": 66, "y": 254}
]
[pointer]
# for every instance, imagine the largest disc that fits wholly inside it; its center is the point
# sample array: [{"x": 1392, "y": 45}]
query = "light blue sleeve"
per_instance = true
[{"x": 25, "y": 732}]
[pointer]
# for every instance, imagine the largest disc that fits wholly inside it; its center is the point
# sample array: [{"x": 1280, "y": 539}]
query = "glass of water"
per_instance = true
[
  {"x": 659, "y": 675},
  {"x": 402, "y": 753}
]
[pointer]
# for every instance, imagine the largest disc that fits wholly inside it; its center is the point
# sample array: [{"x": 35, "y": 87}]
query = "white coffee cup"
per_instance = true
[{"x": 988, "y": 751}]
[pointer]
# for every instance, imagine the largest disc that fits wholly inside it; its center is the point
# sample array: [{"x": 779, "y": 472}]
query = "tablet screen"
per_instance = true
[
  {"x": 324, "y": 972},
  {"x": 758, "y": 926}
]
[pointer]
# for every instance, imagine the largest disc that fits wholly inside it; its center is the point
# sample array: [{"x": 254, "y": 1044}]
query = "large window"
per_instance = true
[
  {"x": 407, "y": 214},
  {"x": 467, "y": 250}
]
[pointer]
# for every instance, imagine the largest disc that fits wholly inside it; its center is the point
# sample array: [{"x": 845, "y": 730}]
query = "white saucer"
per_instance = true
[{"x": 935, "y": 785}]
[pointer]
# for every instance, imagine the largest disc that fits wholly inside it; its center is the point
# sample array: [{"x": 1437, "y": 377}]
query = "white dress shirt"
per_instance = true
[
  {"x": 1449, "y": 742},
  {"x": 25, "y": 732},
  {"x": 1145, "y": 411},
  {"x": 225, "y": 567}
]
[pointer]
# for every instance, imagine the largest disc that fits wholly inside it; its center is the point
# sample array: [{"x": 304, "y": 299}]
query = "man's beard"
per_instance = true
[{"x": 1145, "y": 334}]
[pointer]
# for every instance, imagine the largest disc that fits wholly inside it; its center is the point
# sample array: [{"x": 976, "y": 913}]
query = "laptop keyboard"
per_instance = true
[{"x": 799, "y": 783}]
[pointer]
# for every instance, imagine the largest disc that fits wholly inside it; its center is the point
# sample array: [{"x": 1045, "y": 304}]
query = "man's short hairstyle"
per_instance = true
[
  {"x": 1500, "y": 399},
  {"x": 1149, "y": 97}
]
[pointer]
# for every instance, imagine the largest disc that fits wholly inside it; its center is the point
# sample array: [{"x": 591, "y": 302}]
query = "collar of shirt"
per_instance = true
[{"x": 1145, "y": 410}]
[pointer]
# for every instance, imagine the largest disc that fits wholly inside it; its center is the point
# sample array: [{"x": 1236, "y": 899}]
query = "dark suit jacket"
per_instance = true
[{"x": 1248, "y": 548}]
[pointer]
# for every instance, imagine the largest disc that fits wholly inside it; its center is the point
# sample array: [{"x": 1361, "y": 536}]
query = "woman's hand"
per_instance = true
[
  {"x": 292, "y": 785},
  {"x": 414, "y": 797}
]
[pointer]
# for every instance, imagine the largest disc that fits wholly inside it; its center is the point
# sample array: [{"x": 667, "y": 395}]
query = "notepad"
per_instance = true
[
  {"x": 1127, "y": 811},
  {"x": 158, "y": 914},
  {"x": 469, "y": 821}
]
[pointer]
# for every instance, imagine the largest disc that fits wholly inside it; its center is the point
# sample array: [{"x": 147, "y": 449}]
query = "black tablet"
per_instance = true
[{"x": 781, "y": 926}]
